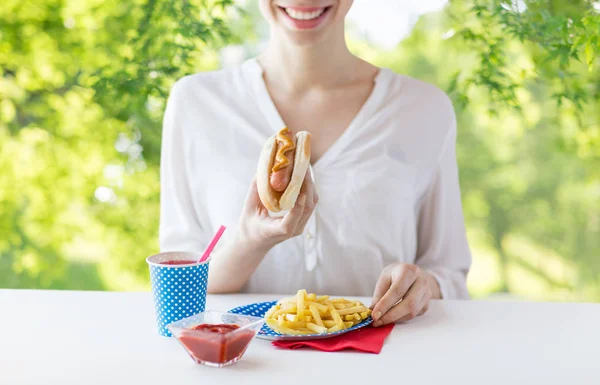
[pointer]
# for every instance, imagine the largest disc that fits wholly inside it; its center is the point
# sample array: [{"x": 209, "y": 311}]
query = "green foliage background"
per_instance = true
[{"x": 83, "y": 85}]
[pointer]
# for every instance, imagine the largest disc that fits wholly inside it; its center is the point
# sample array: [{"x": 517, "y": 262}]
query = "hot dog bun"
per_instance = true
[{"x": 271, "y": 199}]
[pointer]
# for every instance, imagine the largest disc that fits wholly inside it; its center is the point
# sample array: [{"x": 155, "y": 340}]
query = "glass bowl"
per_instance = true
[{"x": 222, "y": 338}]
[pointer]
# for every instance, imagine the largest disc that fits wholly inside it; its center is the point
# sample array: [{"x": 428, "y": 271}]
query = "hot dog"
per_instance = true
[{"x": 282, "y": 167}]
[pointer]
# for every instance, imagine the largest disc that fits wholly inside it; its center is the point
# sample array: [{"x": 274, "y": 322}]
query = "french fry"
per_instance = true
[
  {"x": 329, "y": 323},
  {"x": 285, "y": 330},
  {"x": 273, "y": 324},
  {"x": 300, "y": 302},
  {"x": 322, "y": 298},
  {"x": 336, "y": 328},
  {"x": 350, "y": 310},
  {"x": 335, "y": 315},
  {"x": 295, "y": 325},
  {"x": 311, "y": 297},
  {"x": 316, "y": 315},
  {"x": 270, "y": 312},
  {"x": 279, "y": 312},
  {"x": 334, "y": 300},
  {"x": 322, "y": 308},
  {"x": 316, "y": 328}
]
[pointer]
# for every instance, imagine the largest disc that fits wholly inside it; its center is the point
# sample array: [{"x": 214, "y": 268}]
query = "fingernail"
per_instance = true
[{"x": 377, "y": 316}]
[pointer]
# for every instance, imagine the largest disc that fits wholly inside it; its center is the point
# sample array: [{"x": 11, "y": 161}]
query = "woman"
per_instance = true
[{"x": 379, "y": 212}]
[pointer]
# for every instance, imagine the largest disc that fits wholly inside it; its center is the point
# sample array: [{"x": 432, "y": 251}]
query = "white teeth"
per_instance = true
[{"x": 298, "y": 15}]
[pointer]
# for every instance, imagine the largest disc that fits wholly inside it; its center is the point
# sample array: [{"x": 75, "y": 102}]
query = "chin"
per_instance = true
[{"x": 304, "y": 39}]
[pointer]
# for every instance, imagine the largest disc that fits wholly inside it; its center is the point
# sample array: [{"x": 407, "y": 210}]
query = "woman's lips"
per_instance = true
[{"x": 304, "y": 17}]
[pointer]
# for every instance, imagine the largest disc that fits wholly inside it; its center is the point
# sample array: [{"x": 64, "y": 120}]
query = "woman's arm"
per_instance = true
[
  {"x": 184, "y": 225},
  {"x": 181, "y": 226},
  {"x": 443, "y": 249},
  {"x": 233, "y": 265},
  {"x": 256, "y": 234},
  {"x": 443, "y": 257}
]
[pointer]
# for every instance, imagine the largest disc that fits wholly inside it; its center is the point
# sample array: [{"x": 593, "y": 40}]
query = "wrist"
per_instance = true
[
  {"x": 434, "y": 286},
  {"x": 236, "y": 262},
  {"x": 242, "y": 240}
]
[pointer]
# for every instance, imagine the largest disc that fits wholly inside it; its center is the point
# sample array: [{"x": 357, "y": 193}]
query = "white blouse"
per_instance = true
[{"x": 388, "y": 187}]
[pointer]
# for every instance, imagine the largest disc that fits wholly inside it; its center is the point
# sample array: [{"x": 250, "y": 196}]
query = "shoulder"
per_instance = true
[
  {"x": 200, "y": 102},
  {"x": 424, "y": 115},
  {"x": 424, "y": 105},
  {"x": 187, "y": 96},
  {"x": 204, "y": 84},
  {"x": 424, "y": 98}
]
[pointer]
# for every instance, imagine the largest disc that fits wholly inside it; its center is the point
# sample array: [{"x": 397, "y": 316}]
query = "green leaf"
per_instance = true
[{"x": 590, "y": 55}]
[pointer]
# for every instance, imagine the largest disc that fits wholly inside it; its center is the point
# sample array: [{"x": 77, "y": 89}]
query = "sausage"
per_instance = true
[{"x": 280, "y": 178}]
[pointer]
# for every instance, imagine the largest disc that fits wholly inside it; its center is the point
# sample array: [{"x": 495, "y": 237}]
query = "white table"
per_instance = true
[{"x": 74, "y": 338}]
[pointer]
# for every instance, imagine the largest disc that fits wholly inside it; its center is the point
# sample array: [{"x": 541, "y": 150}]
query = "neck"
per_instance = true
[{"x": 298, "y": 67}]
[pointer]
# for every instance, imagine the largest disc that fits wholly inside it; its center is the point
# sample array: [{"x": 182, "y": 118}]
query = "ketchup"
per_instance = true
[
  {"x": 218, "y": 344},
  {"x": 178, "y": 262},
  {"x": 216, "y": 328}
]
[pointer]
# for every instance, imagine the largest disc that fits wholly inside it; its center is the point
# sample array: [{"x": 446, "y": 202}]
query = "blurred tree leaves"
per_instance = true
[
  {"x": 82, "y": 89},
  {"x": 83, "y": 84},
  {"x": 562, "y": 41},
  {"x": 531, "y": 195},
  {"x": 561, "y": 36}
]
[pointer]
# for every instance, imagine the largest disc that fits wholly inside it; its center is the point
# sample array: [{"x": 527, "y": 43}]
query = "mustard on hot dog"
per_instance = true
[{"x": 285, "y": 144}]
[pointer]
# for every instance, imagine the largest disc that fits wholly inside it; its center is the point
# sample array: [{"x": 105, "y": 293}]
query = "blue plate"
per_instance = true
[{"x": 260, "y": 308}]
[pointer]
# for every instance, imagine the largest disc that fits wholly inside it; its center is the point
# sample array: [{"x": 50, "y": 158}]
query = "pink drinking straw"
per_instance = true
[{"x": 212, "y": 244}]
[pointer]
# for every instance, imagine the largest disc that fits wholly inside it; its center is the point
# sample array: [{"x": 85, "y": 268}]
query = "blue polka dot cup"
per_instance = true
[{"x": 178, "y": 286}]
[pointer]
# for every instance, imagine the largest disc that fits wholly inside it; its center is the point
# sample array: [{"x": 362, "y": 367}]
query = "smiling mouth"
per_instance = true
[{"x": 307, "y": 14}]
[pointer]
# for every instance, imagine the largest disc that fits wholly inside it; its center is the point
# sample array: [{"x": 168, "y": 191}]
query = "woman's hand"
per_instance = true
[
  {"x": 259, "y": 231},
  {"x": 256, "y": 234},
  {"x": 402, "y": 293}
]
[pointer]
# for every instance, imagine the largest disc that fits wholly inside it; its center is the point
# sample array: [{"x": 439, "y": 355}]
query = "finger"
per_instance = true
[
  {"x": 310, "y": 186},
  {"x": 307, "y": 185},
  {"x": 383, "y": 284},
  {"x": 427, "y": 300},
  {"x": 402, "y": 280},
  {"x": 252, "y": 198},
  {"x": 308, "y": 189},
  {"x": 409, "y": 307},
  {"x": 303, "y": 221},
  {"x": 287, "y": 226},
  {"x": 420, "y": 310},
  {"x": 312, "y": 183}
]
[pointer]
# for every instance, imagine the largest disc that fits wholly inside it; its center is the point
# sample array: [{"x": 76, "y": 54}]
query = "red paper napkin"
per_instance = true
[{"x": 368, "y": 339}]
